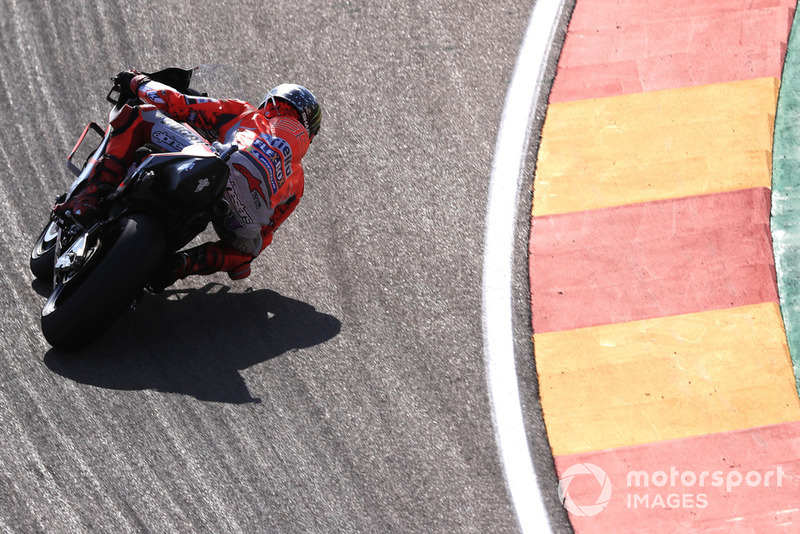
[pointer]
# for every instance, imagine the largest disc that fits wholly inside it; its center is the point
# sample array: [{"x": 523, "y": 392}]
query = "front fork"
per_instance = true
[{"x": 75, "y": 248}]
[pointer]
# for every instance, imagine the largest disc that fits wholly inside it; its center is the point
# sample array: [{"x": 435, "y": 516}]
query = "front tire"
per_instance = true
[
  {"x": 43, "y": 253},
  {"x": 76, "y": 317}
]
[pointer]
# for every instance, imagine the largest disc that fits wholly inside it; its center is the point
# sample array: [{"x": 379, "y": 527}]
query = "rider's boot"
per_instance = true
[
  {"x": 105, "y": 177},
  {"x": 204, "y": 259}
]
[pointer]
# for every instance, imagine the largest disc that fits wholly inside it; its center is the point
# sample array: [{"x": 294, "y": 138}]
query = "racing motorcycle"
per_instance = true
[{"x": 98, "y": 270}]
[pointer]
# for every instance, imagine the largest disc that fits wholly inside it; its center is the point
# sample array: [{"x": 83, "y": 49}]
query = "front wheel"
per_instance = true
[
  {"x": 43, "y": 253},
  {"x": 74, "y": 316}
]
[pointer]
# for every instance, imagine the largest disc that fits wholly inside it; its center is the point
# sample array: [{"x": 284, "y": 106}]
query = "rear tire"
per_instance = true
[{"x": 83, "y": 313}]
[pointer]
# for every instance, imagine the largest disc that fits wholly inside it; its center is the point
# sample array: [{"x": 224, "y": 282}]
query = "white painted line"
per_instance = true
[{"x": 510, "y": 152}]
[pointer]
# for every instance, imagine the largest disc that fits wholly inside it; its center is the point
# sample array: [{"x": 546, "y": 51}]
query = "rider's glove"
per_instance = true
[{"x": 130, "y": 78}]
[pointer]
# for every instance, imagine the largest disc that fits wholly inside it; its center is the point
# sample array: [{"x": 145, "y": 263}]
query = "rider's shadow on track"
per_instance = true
[{"x": 195, "y": 342}]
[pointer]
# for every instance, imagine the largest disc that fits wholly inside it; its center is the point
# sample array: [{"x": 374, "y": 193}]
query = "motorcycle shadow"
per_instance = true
[{"x": 195, "y": 342}]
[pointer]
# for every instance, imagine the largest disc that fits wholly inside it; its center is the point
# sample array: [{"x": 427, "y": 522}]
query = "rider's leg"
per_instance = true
[
  {"x": 231, "y": 254},
  {"x": 128, "y": 131},
  {"x": 204, "y": 259},
  {"x": 131, "y": 129},
  {"x": 210, "y": 258}
]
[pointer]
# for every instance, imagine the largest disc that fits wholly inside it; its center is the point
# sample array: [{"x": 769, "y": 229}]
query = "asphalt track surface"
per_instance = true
[{"x": 341, "y": 388}]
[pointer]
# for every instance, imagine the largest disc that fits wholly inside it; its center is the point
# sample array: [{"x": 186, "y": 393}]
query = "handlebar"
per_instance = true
[
  {"x": 175, "y": 77},
  {"x": 123, "y": 92}
]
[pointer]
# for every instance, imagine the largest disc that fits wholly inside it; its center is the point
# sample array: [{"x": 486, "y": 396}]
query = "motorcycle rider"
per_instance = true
[{"x": 266, "y": 178}]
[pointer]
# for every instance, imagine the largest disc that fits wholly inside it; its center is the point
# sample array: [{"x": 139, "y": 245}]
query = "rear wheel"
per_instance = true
[{"x": 74, "y": 316}]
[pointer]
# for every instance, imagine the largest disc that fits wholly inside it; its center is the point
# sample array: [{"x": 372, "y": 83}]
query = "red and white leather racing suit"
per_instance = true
[{"x": 266, "y": 179}]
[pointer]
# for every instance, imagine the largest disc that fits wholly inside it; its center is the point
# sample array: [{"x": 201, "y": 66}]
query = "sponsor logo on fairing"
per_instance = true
[
  {"x": 168, "y": 140},
  {"x": 174, "y": 135},
  {"x": 188, "y": 166},
  {"x": 202, "y": 184}
]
